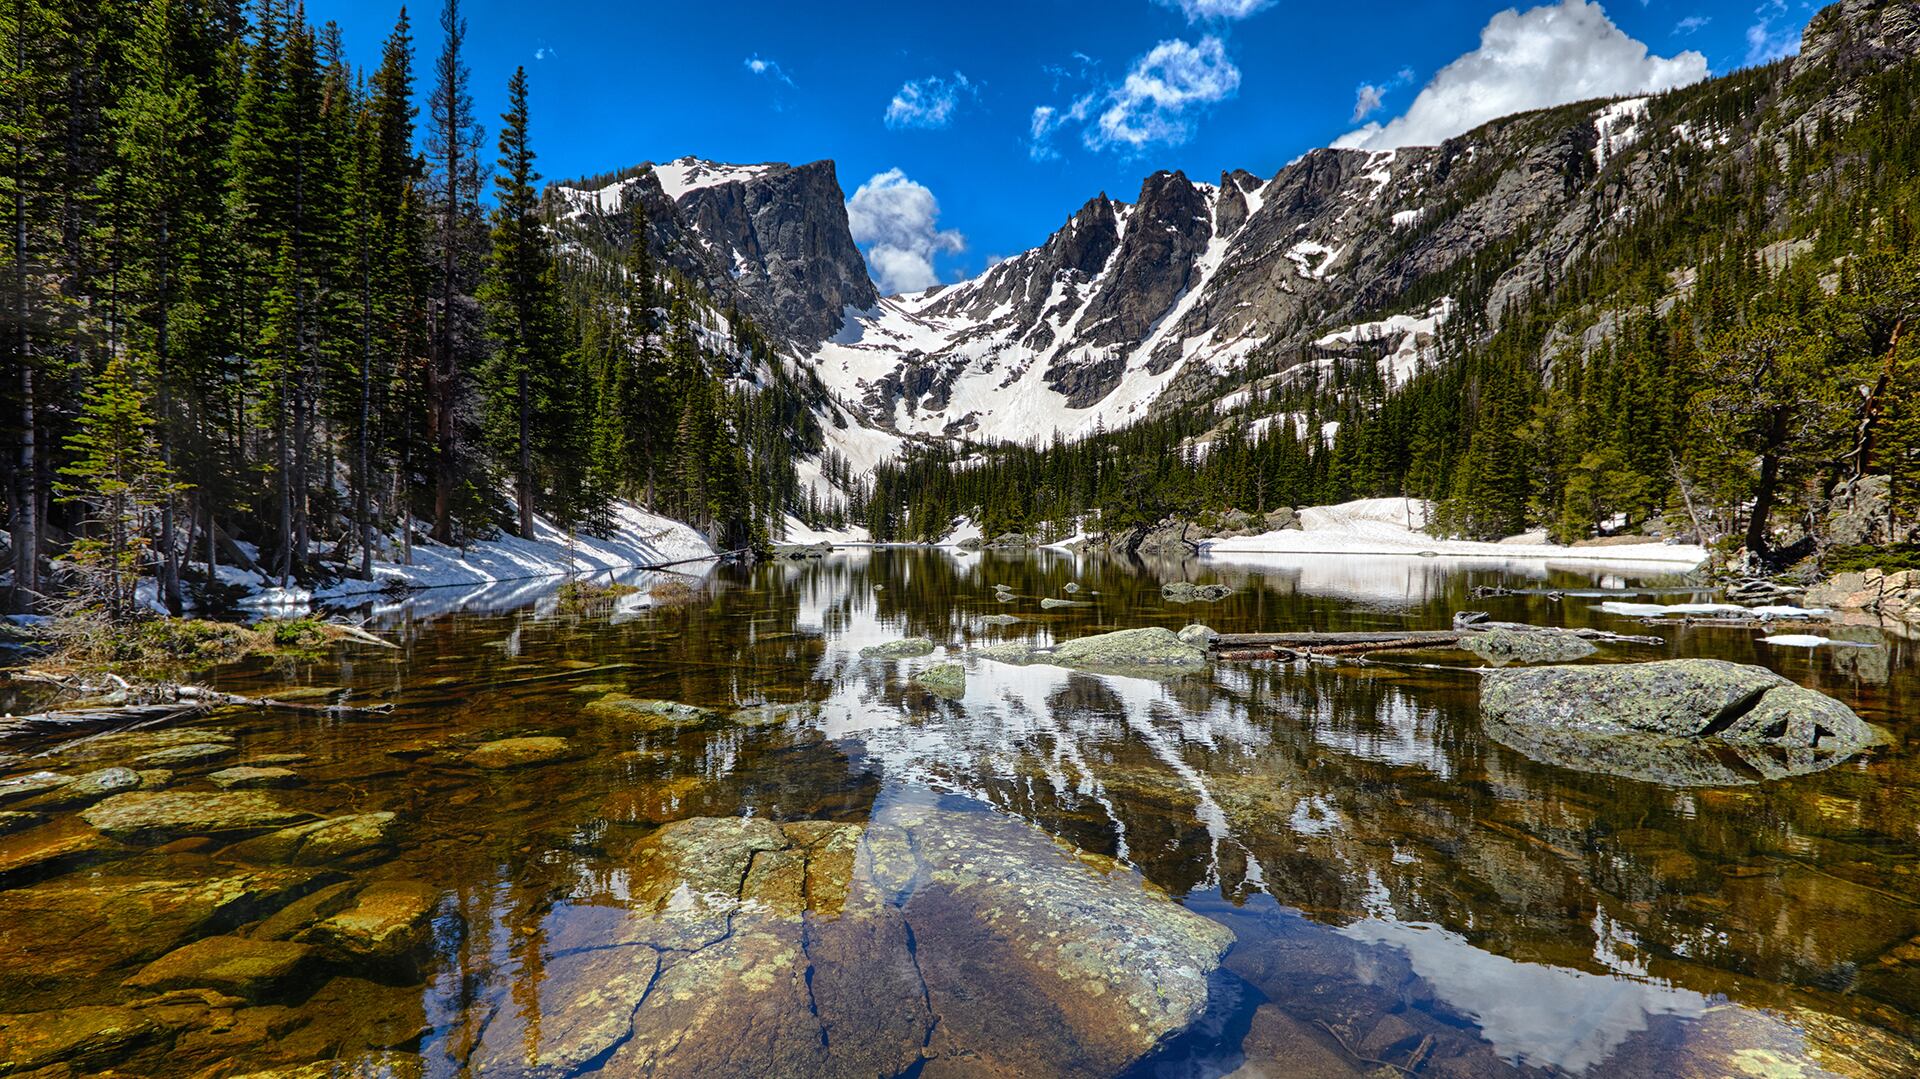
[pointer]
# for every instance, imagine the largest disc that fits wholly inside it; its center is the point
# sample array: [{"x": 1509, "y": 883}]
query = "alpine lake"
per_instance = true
[{"x": 693, "y": 831}]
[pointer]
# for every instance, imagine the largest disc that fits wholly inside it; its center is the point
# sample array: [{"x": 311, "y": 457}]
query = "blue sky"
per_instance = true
[{"x": 982, "y": 126}]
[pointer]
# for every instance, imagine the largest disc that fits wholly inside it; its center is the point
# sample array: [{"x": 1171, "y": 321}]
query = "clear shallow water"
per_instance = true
[{"x": 1402, "y": 892}]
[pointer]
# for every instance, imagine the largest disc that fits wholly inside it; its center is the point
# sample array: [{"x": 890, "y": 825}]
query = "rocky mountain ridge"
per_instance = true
[{"x": 1193, "y": 289}]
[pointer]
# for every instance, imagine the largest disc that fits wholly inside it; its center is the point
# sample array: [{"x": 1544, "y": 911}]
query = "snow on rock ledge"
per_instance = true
[{"x": 640, "y": 539}]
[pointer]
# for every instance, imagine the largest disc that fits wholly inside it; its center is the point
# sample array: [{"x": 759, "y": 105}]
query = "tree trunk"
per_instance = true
[
  {"x": 169, "y": 555},
  {"x": 1764, "y": 492},
  {"x": 525, "y": 494}
]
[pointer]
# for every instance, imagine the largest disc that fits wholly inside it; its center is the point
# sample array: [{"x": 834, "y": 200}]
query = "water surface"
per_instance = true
[{"x": 1402, "y": 892}]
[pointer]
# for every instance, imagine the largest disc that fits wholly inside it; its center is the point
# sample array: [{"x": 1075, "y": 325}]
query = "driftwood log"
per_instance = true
[
  {"x": 112, "y": 698},
  {"x": 1258, "y": 646}
]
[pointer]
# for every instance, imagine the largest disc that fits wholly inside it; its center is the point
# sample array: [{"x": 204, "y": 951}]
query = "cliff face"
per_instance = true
[{"x": 771, "y": 238}]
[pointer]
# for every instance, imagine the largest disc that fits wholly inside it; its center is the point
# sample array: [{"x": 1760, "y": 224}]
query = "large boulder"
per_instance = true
[
  {"x": 1660, "y": 721},
  {"x": 1151, "y": 650},
  {"x": 745, "y": 946}
]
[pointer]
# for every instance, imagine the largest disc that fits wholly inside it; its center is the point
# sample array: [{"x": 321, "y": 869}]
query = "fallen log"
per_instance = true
[
  {"x": 121, "y": 700},
  {"x": 1243, "y": 647},
  {"x": 1435, "y": 637}
]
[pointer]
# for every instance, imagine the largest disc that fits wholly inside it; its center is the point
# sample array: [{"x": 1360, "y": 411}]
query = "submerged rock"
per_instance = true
[
  {"x": 650, "y": 714},
  {"x": 385, "y": 922},
  {"x": 1659, "y": 721},
  {"x": 320, "y": 842},
  {"x": 248, "y": 968},
  {"x": 20, "y": 821},
  {"x": 381, "y": 1065},
  {"x": 191, "y": 753},
  {"x": 1051, "y": 603},
  {"x": 89, "y": 788},
  {"x": 773, "y": 715},
  {"x": 1153, "y": 649},
  {"x": 1000, "y": 620},
  {"x": 42, "y": 852},
  {"x": 159, "y": 816},
  {"x": 519, "y": 752},
  {"x": 89, "y": 1037},
  {"x": 750, "y": 947},
  {"x": 904, "y": 649},
  {"x": 72, "y": 928},
  {"x": 1523, "y": 646},
  {"x": 244, "y": 777},
  {"x": 945, "y": 679},
  {"x": 33, "y": 783}
]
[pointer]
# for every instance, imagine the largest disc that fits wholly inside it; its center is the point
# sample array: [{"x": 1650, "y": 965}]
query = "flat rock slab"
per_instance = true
[
  {"x": 160, "y": 816},
  {"x": 65, "y": 844},
  {"x": 191, "y": 753},
  {"x": 519, "y": 752},
  {"x": 253, "y": 969},
  {"x": 747, "y": 947},
  {"x": 87, "y": 1037},
  {"x": 33, "y": 783}
]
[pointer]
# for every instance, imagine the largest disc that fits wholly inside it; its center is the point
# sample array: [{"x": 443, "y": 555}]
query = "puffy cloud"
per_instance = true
[
  {"x": 928, "y": 103},
  {"x": 1155, "y": 102},
  {"x": 897, "y": 222},
  {"x": 1369, "y": 96},
  {"x": 1217, "y": 10},
  {"x": 768, "y": 68},
  {"x": 1547, "y": 56}
]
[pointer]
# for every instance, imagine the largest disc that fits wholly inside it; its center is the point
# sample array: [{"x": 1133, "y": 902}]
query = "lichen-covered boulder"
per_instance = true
[
  {"x": 1151, "y": 650},
  {"x": 902, "y": 649},
  {"x": 944, "y": 679},
  {"x": 1524, "y": 646},
  {"x": 1660, "y": 721},
  {"x": 1197, "y": 635},
  {"x": 650, "y": 714}
]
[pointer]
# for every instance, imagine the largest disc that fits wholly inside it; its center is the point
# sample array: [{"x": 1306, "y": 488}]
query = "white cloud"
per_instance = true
[
  {"x": 1369, "y": 96},
  {"x": 1767, "y": 40},
  {"x": 897, "y": 221},
  {"x": 1692, "y": 24},
  {"x": 1155, "y": 102},
  {"x": 545, "y": 52},
  {"x": 1547, "y": 56},
  {"x": 1214, "y": 10},
  {"x": 928, "y": 103},
  {"x": 768, "y": 68}
]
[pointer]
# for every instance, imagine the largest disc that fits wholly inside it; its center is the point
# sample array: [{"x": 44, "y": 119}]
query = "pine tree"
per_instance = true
[
  {"x": 117, "y": 474},
  {"x": 453, "y": 143},
  {"x": 524, "y": 378}
]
